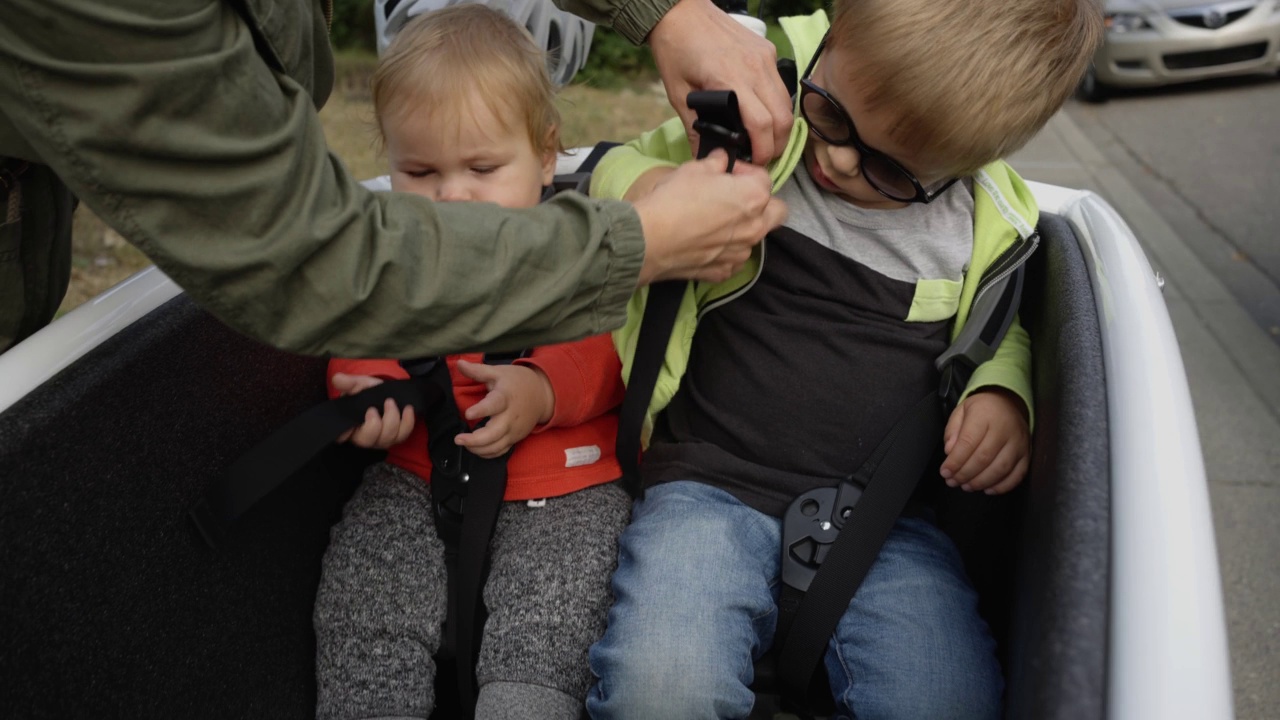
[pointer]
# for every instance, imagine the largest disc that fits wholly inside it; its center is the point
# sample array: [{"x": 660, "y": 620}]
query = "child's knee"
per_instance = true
[{"x": 664, "y": 687}]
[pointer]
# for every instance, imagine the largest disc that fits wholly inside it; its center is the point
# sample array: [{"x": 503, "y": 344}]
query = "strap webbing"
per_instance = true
[
  {"x": 720, "y": 126},
  {"x": 651, "y": 348},
  {"x": 895, "y": 468},
  {"x": 268, "y": 464},
  {"x": 466, "y": 497}
]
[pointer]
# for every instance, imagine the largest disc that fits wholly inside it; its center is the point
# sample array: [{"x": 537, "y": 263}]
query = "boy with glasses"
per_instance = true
[{"x": 900, "y": 209}]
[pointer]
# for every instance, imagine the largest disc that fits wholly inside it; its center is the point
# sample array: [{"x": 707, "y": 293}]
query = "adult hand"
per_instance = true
[
  {"x": 701, "y": 223},
  {"x": 697, "y": 46}
]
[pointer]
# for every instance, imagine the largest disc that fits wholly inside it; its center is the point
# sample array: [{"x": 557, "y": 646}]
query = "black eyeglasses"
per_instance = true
[{"x": 829, "y": 120}]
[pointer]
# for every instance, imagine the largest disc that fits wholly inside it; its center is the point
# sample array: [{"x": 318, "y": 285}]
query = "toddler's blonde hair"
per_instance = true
[{"x": 453, "y": 57}]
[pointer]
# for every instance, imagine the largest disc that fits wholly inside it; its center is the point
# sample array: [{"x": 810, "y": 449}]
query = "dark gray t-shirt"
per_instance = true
[{"x": 791, "y": 385}]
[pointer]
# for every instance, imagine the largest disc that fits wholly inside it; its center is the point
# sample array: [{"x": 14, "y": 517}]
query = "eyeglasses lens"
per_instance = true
[
  {"x": 887, "y": 177},
  {"x": 825, "y": 118}
]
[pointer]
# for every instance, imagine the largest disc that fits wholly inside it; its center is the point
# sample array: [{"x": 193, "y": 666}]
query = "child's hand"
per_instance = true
[
  {"x": 520, "y": 398},
  {"x": 378, "y": 431},
  {"x": 988, "y": 443}
]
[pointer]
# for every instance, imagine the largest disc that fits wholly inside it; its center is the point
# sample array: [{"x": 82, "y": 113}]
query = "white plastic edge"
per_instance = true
[
  {"x": 34, "y": 360},
  {"x": 1168, "y": 655}
]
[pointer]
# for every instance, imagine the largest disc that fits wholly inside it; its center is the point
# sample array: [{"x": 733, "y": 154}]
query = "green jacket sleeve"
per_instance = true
[
  {"x": 664, "y": 146},
  {"x": 1009, "y": 369},
  {"x": 633, "y": 19},
  {"x": 199, "y": 145}
]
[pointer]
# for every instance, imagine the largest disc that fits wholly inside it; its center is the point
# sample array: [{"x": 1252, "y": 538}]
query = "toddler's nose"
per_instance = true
[{"x": 453, "y": 190}]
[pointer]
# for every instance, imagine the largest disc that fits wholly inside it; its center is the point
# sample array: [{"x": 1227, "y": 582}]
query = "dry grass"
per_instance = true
[{"x": 101, "y": 258}]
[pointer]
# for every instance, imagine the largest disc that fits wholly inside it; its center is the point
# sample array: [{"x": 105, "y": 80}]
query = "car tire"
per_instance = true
[{"x": 1090, "y": 89}]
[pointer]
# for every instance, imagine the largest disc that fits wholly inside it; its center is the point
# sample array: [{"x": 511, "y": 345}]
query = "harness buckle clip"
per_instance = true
[{"x": 809, "y": 528}]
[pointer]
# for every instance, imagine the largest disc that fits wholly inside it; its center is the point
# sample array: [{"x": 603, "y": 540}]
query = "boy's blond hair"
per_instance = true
[
  {"x": 967, "y": 82},
  {"x": 453, "y": 57}
]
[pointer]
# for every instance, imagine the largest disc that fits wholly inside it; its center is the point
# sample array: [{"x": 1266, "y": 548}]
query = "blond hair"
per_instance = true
[
  {"x": 967, "y": 81},
  {"x": 453, "y": 57}
]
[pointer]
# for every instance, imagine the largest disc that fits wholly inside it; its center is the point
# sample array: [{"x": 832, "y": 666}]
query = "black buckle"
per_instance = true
[
  {"x": 809, "y": 528},
  {"x": 719, "y": 124}
]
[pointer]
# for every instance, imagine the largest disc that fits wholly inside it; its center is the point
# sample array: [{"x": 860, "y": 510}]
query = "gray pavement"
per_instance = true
[{"x": 1233, "y": 369}]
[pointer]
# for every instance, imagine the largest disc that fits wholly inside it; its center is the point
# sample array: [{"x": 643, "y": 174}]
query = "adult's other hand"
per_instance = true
[
  {"x": 701, "y": 222},
  {"x": 697, "y": 46}
]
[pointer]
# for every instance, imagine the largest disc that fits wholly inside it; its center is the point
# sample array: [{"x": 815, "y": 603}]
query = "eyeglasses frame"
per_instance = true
[{"x": 864, "y": 150}]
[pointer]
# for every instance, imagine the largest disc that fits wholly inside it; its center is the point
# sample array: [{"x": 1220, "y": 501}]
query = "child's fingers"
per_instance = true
[
  {"x": 982, "y": 449},
  {"x": 490, "y": 405},
  {"x": 486, "y": 442},
  {"x": 994, "y": 472},
  {"x": 351, "y": 384},
  {"x": 966, "y": 440},
  {"x": 949, "y": 433},
  {"x": 390, "y": 424},
  {"x": 366, "y": 434},
  {"x": 1012, "y": 480},
  {"x": 478, "y": 371},
  {"x": 406, "y": 426}
]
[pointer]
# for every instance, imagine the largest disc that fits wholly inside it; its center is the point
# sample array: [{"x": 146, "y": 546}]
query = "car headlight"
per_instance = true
[{"x": 1125, "y": 22}]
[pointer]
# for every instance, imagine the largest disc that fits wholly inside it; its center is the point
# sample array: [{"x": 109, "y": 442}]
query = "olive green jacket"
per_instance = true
[{"x": 190, "y": 127}]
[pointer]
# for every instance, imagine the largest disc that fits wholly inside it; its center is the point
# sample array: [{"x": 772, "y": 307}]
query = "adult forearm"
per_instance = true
[
  {"x": 633, "y": 19},
  {"x": 184, "y": 139}
]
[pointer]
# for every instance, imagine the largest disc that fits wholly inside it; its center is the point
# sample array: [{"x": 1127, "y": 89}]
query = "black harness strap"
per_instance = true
[
  {"x": 861, "y": 523},
  {"x": 466, "y": 497},
  {"x": 719, "y": 126},
  {"x": 268, "y": 464}
]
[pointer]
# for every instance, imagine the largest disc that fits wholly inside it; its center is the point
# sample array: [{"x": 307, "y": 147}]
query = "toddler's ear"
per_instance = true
[{"x": 550, "y": 153}]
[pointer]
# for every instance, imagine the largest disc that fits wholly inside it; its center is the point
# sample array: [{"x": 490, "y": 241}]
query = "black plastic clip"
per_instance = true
[
  {"x": 719, "y": 124},
  {"x": 809, "y": 528}
]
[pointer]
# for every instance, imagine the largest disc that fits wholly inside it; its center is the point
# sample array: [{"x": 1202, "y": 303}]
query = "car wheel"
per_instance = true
[{"x": 1090, "y": 89}]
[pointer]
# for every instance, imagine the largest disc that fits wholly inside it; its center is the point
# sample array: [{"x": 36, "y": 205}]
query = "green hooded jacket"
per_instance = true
[
  {"x": 190, "y": 127},
  {"x": 1005, "y": 215}
]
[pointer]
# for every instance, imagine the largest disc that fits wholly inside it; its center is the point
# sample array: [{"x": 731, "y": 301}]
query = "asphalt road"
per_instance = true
[{"x": 1207, "y": 157}]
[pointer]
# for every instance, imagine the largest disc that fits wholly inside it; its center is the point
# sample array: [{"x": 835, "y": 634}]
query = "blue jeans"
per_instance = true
[{"x": 696, "y": 603}]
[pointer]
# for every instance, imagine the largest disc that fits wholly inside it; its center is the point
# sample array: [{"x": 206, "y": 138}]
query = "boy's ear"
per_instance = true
[{"x": 549, "y": 154}]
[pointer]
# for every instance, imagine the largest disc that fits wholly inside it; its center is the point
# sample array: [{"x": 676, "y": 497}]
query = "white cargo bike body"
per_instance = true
[{"x": 1099, "y": 577}]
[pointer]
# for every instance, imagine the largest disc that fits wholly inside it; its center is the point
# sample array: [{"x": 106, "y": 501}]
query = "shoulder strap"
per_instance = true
[
  {"x": 807, "y": 620},
  {"x": 720, "y": 126}
]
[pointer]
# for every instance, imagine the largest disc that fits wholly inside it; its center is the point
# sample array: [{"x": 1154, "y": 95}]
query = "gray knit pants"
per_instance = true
[{"x": 381, "y": 602}]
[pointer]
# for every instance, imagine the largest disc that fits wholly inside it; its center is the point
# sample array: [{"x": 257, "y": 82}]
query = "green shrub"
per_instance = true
[
  {"x": 614, "y": 61},
  {"x": 352, "y": 27}
]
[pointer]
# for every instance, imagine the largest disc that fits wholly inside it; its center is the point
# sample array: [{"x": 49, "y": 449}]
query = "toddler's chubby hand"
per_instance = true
[
  {"x": 520, "y": 398},
  {"x": 379, "y": 431},
  {"x": 987, "y": 442}
]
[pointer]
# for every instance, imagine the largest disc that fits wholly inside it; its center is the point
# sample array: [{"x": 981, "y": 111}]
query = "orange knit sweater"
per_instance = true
[{"x": 574, "y": 450}]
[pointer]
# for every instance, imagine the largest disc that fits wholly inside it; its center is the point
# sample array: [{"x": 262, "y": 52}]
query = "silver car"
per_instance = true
[{"x": 1158, "y": 42}]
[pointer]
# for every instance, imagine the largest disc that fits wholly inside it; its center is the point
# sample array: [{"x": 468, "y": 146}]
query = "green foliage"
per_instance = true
[
  {"x": 352, "y": 27},
  {"x": 614, "y": 61}
]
